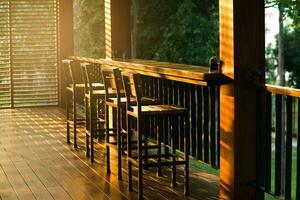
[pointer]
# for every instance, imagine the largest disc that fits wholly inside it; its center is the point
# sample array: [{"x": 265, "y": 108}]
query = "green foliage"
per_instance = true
[
  {"x": 183, "y": 31},
  {"x": 89, "y": 28},
  {"x": 290, "y": 8},
  {"x": 292, "y": 55},
  {"x": 271, "y": 65}
]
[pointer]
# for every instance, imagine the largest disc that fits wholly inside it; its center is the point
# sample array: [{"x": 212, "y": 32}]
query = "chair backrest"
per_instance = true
[
  {"x": 74, "y": 72},
  {"x": 91, "y": 74},
  {"x": 84, "y": 73},
  {"x": 118, "y": 82},
  {"x": 133, "y": 88},
  {"x": 108, "y": 81},
  {"x": 66, "y": 71}
]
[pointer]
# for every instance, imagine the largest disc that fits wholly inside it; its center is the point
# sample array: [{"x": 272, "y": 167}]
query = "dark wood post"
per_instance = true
[
  {"x": 242, "y": 47},
  {"x": 117, "y": 28},
  {"x": 65, "y": 42},
  {"x": 117, "y": 32}
]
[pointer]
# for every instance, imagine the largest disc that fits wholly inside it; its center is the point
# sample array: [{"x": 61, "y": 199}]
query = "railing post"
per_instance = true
[
  {"x": 242, "y": 44},
  {"x": 117, "y": 28},
  {"x": 65, "y": 42}
]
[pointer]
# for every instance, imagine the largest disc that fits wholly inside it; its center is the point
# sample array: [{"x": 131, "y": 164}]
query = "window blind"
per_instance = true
[{"x": 30, "y": 54}]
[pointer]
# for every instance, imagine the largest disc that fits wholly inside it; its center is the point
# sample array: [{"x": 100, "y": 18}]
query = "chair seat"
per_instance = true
[
  {"x": 158, "y": 110},
  {"x": 144, "y": 101},
  {"x": 96, "y": 86},
  {"x": 100, "y": 93}
]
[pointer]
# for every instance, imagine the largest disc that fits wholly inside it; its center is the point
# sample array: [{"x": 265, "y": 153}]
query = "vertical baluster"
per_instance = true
[
  {"x": 218, "y": 126},
  {"x": 152, "y": 124},
  {"x": 187, "y": 91},
  {"x": 181, "y": 124},
  {"x": 165, "y": 119},
  {"x": 176, "y": 102},
  {"x": 298, "y": 155},
  {"x": 278, "y": 145},
  {"x": 199, "y": 123},
  {"x": 288, "y": 161},
  {"x": 206, "y": 124},
  {"x": 268, "y": 144},
  {"x": 170, "y": 102},
  {"x": 193, "y": 119},
  {"x": 212, "y": 126}
]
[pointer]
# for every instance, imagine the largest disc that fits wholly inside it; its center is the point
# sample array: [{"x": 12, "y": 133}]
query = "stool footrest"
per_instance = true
[{"x": 156, "y": 164}]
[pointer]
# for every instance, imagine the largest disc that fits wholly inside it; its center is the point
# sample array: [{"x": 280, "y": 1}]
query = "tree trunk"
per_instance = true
[
  {"x": 281, "y": 50},
  {"x": 134, "y": 27},
  {"x": 282, "y": 83}
]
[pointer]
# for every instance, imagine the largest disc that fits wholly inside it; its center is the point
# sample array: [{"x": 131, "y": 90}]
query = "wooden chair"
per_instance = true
[
  {"x": 74, "y": 92},
  {"x": 138, "y": 112},
  {"x": 93, "y": 96},
  {"x": 113, "y": 100},
  {"x": 113, "y": 85}
]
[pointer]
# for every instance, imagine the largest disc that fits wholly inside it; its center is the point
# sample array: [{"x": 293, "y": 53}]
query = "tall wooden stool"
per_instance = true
[
  {"x": 74, "y": 92},
  {"x": 114, "y": 100},
  {"x": 113, "y": 82},
  {"x": 94, "y": 97},
  {"x": 133, "y": 88}
]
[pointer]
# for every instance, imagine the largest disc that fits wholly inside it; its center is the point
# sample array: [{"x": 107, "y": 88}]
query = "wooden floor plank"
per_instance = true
[
  {"x": 6, "y": 189},
  {"x": 37, "y": 163}
]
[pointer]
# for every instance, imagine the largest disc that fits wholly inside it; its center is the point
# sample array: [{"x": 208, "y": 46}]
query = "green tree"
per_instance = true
[
  {"x": 183, "y": 31},
  {"x": 292, "y": 55},
  {"x": 89, "y": 28}
]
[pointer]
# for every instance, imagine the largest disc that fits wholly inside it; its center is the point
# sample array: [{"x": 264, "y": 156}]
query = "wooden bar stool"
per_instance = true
[
  {"x": 74, "y": 92},
  {"x": 138, "y": 112},
  {"x": 93, "y": 96},
  {"x": 113, "y": 82},
  {"x": 114, "y": 100}
]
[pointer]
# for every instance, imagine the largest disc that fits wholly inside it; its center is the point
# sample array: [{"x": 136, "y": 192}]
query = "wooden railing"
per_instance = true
[
  {"x": 278, "y": 141},
  {"x": 194, "y": 88}
]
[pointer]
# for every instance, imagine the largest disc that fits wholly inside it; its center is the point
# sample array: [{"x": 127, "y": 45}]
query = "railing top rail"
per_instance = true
[
  {"x": 192, "y": 74},
  {"x": 283, "y": 90}
]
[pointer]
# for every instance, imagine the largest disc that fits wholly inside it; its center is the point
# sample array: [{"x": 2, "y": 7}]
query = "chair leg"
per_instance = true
[
  {"x": 186, "y": 156},
  {"x": 98, "y": 116},
  {"x": 159, "y": 136},
  {"x": 119, "y": 147},
  {"x": 92, "y": 114},
  {"x": 68, "y": 117},
  {"x": 146, "y": 146},
  {"x": 123, "y": 127},
  {"x": 173, "y": 138},
  {"x": 140, "y": 161},
  {"x": 87, "y": 143},
  {"x": 128, "y": 120},
  {"x": 74, "y": 120},
  {"x": 107, "y": 140}
]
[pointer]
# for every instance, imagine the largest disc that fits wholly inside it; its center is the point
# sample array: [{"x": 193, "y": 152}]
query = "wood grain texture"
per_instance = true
[
  {"x": 283, "y": 90},
  {"x": 199, "y": 75},
  {"x": 242, "y": 50},
  {"x": 37, "y": 163}
]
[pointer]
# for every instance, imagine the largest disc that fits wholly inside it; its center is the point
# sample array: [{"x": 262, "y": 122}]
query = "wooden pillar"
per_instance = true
[
  {"x": 65, "y": 42},
  {"x": 242, "y": 47},
  {"x": 117, "y": 28},
  {"x": 117, "y": 33}
]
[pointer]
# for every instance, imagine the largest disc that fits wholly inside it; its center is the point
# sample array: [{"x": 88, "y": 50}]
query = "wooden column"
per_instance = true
[
  {"x": 242, "y": 47},
  {"x": 117, "y": 28},
  {"x": 65, "y": 42},
  {"x": 117, "y": 33}
]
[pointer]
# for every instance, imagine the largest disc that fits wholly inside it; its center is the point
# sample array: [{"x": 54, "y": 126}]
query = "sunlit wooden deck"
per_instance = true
[{"x": 37, "y": 163}]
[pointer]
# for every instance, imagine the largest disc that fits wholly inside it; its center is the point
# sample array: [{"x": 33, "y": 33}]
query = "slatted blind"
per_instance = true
[
  {"x": 30, "y": 61},
  {"x": 5, "y": 89}
]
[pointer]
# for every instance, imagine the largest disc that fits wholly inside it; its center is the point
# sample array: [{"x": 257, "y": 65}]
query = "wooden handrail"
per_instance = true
[
  {"x": 191, "y": 74},
  {"x": 283, "y": 90}
]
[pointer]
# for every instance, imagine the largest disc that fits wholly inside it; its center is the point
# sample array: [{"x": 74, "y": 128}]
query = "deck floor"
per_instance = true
[{"x": 37, "y": 163}]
